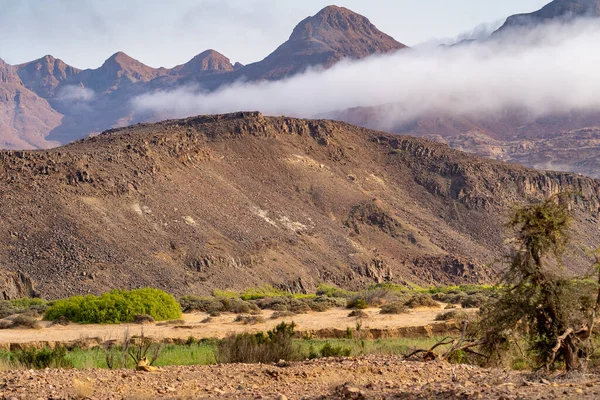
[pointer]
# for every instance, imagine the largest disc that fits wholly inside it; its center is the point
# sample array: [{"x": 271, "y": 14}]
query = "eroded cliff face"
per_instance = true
[
  {"x": 238, "y": 200},
  {"x": 15, "y": 285}
]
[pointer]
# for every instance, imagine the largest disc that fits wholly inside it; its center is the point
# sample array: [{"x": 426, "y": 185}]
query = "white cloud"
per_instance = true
[
  {"x": 553, "y": 68},
  {"x": 75, "y": 94}
]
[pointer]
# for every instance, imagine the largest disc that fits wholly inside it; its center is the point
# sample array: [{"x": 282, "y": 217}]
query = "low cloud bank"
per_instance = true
[{"x": 554, "y": 68}]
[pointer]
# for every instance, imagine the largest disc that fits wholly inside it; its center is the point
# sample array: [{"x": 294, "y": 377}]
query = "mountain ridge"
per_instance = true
[
  {"x": 237, "y": 200},
  {"x": 557, "y": 10},
  {"x": 92, "y": 100}
]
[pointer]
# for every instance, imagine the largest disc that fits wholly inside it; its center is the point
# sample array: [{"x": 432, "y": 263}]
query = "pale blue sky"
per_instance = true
[{"x": 165, "y": 33}]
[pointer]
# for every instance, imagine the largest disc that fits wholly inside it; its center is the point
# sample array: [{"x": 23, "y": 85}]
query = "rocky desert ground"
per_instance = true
[{"x": 370, "y": 377}]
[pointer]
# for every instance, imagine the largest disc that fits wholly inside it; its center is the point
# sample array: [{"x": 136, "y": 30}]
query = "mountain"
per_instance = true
[
  {"x": 207, "y": 62},
  {"x": 232, "y": 201},
  {"x": 43, "y": 76},
  {"x": 119, "y": 70},
  {"x": 92, "y": 100},
  {"x": 564, "y": 141},
  {"x": 557, "y": 10},
  {"x": 25, "y": 118},
  {"x": 322, "y": 40}
]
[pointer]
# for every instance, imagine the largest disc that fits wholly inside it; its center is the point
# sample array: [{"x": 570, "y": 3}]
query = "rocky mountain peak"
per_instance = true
[
  {"x": 7, "y": 73},
  {"x": 331, "y": 35},
  {"x": 120, "y": 68},
  {"x": 44, "y": 75},
  {"x": 345, "y": 30},
  {"x": 206, "y": 62}
]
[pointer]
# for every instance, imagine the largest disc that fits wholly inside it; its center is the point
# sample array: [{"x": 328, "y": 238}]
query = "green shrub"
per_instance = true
[
  {"x": 394, "y": 308},
  {"x": 261, "y": 292},
  {"x": 115, "y": 307},
  {"x": 28, "y": 302},
  {"x": 357, "y": 303},
  {"x": 331, "y": 291},
  {"x": 335, "y": 351},
  {"x": 33, "y": 358},
  {"x": 247, "y": 348}
]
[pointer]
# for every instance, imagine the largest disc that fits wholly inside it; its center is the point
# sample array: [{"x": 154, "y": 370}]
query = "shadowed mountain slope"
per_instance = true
[
  {"x": 557, "y": 10},
  {"x": 25, "y": 118},
  {"x": 238, "y": 200}
]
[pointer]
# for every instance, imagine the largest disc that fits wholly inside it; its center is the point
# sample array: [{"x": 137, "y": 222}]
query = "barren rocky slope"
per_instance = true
[{"x": 238, "y": 200}]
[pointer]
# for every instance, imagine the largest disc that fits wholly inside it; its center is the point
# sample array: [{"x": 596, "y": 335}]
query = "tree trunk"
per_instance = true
[{"x": 570, "y": 355}]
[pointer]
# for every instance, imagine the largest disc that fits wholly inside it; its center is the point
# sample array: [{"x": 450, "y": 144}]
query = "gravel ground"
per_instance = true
[{"x": 370, "y": 377}]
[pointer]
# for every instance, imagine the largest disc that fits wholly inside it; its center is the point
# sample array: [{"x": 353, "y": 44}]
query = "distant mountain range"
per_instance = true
[
  {"x": 58, "y": 103},
  {"x": 44, "y": 103}
]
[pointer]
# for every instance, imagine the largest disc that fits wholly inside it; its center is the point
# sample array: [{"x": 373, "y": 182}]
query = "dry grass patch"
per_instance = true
[{"x": 83, "y": 388}]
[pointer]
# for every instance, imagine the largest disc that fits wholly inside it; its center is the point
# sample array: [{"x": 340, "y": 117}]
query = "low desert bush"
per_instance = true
[
  {"x": 25, "y": 322},
  {"x": 474, "y": 301},
  {"x": 5, "y": 323},
  {"x": 273, "y": 346},
  {"x": 335, "y": 351},
  {"x": 202, "y": 304},
  {"x": 116, "y": 307},
  {"x": 394, "y": 308},
  {"x": 357, "y": 303},
  {"x": 358, "y": 314},
  {"x": 142, "y": 319},
  {"x": 215, "y": 306},
  {"x": 249, "y": 319},
  {"x": 33, "y": 358},
  {"x": 452, "y": 315},
  {"x": 31, "y": 307},
  {"x": 282, "y": 314},
  {"x": 422, "y": 300}
]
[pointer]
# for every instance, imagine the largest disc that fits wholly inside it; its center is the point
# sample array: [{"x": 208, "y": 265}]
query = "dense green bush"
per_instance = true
[
  {"x": 116, "y": 307},
  {"x": 335, "y": 351},
  {"x": 46, "y": 357}
]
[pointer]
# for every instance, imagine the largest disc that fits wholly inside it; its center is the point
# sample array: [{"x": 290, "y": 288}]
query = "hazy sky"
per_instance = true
[{"x": 166, "y": 33}]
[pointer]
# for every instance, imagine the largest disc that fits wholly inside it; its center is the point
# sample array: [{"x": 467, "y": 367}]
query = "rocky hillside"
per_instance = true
[{"x": 238, "y": 200}]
